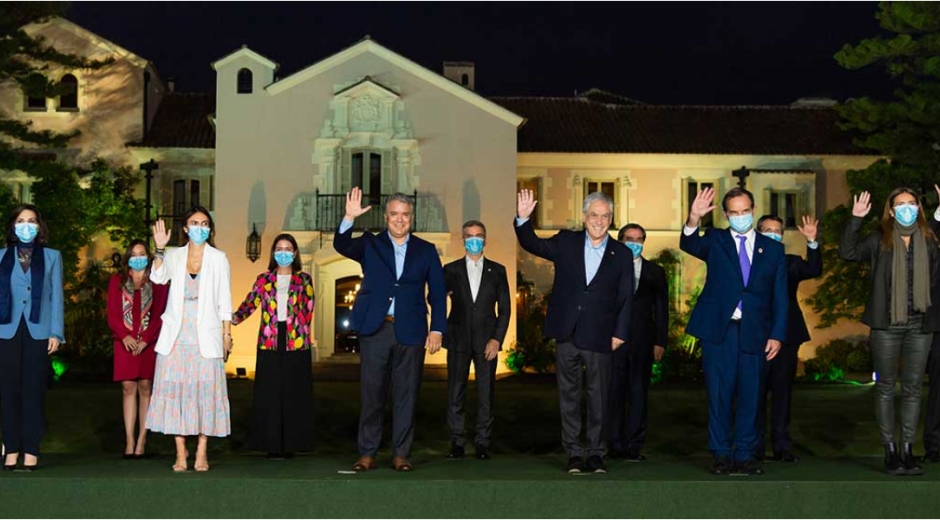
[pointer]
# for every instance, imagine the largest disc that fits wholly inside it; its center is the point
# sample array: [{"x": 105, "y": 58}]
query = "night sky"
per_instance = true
[{"x": 663, "y": 53}]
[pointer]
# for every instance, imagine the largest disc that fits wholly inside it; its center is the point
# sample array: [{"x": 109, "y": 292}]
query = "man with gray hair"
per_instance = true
[{"x": 588, "y": 316}]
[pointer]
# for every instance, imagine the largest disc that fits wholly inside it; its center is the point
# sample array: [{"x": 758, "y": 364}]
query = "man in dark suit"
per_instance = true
[
  {"x": 740, "y": 319},
  {"x": 633, "y": 366},
  {"x": 782, "y": 369},
  {"x": 588, "y": 316},
  {"x": 390, "y": 314},
  {"x": 477, "y": 324}
]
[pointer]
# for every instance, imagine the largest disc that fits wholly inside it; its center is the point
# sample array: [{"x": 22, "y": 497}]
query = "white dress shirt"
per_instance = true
[
  {"x": 283, "y": 285},
  {"x": 637, "y": 269},
  {"x": 475, "y": 273}
]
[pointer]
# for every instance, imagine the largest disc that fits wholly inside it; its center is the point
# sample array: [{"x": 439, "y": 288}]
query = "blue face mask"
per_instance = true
[
  {"x": 26, "y": 231},
  {"x": 906, "y": 214},
  {"x": 636, "y": 247},
  {"x": 473, "y": 245},
  {"x": 741, "y": 223},
  {"x": 775, "y": 236},
  {"x": 138, "y": 263},
  {"x": 198, "y": 234},
  {"x": 284, "y": 258}
]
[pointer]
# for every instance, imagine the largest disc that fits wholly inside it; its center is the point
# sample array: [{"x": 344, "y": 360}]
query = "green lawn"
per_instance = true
[{"x": 828, "y": 420}]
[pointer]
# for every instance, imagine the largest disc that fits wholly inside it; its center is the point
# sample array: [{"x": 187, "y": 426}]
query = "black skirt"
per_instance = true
[{"x": 282, "y": 416}]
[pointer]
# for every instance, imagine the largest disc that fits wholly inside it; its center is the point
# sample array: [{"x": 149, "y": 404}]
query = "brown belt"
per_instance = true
[{"x": 390, "y": 319}]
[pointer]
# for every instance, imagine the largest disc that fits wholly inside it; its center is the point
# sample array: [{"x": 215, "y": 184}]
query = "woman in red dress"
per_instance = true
[{"x": 135, "y": 308}]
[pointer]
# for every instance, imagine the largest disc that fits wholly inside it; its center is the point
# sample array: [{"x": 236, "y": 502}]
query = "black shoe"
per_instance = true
[
  {"x": 785, "y": 456},
  {"x": 721, "y": 466},
  {"x": 634, "y": 456},
  {"x": 931, "y": 456},
  {"x": 275, "y": 456},
  {"x": 482, "y": 452},
  {"x": 595, "y": 464},
  {"x": 746, "y": 468},
  {"x": 30, "y": 469},
  {"x": 9, "y": 467},
  {"x": 893, "y": 465},
  {"x": 575, "y": 465},
  {"x": 456, "y": 452},
  {"x": 614, "y": 454},
  {"x": 909, "y": 461}
]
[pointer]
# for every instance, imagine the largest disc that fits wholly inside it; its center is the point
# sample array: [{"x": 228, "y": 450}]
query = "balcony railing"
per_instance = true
[{"x": 330, "y": 209}]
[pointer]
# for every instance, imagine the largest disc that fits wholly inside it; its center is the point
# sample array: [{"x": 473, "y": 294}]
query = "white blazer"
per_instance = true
[{"x": 214, "y": 304}]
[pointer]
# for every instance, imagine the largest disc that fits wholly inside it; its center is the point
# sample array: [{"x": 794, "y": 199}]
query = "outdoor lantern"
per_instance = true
[{"x": 253, "y": 247}]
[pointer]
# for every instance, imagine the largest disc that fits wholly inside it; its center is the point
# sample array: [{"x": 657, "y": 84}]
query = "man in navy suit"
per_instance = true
[
  {"x": 740, "y": 319},
  {"x": 780, "y": 372},
  {"x": 390, "y": 314},
  {"x": 588, "y": 316},
  {"x": 633, "y": 367}
]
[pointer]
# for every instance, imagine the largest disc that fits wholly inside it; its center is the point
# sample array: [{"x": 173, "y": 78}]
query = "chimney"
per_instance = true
[{"x": 460, "y": 72}]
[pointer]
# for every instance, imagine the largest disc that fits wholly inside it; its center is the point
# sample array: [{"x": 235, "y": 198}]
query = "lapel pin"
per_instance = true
[{"x": 760, "y": 250}]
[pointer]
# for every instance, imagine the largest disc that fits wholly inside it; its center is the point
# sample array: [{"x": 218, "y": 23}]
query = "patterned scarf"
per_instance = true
[{"x": 146, "y": 299}]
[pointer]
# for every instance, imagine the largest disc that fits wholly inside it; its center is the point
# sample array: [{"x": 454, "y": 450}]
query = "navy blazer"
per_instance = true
[
  {"x": 797, "y": 271},
  {"x": 588, "y": 315},
  {"x": 764, "y": 301},
  {"x": 649, "y": 324},
  {"x": 422, "y": 267},
  {"x": 52, "y": 309}
]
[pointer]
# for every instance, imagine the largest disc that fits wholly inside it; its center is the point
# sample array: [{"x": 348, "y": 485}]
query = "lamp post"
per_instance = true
[
  {"x": 148, "y": 168},
  {"x": 742, "y": 174},
  {"x": 253, "y": 244}
]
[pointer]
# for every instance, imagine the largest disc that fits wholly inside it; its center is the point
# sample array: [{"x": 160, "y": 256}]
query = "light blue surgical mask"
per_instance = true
[
  {"x": 741, "y": 223},
  {"x": 26, "y": 231},
  {"x": 636, "y": 247},
  {"x": 284, "y": 258},
  {"x": 906, "y": 214},
  {"x": 198, "y": 234},
  {"x": 473, "y": 245},
  {"x": 776, "y": 236},
  {"x": 138, "y": 263}
]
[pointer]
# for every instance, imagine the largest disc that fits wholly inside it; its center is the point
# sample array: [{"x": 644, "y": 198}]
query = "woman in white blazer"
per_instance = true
[{"x": 190, "y": 396}]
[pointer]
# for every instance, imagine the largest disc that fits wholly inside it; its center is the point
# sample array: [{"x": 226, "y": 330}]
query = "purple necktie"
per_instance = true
[{"x": 744, "y": 261}]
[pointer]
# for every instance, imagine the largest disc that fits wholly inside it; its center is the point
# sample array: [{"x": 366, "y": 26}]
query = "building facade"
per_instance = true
[{"x": 267, "y": 154}]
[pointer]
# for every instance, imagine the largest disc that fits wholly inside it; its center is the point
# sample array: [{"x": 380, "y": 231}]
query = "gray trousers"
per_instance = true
[
  {"x": 382, "y": 356},
  {"x": 570, "y": 364},
  {"x": 888, "y": 347},
  {"x": 458, "y": 371}
]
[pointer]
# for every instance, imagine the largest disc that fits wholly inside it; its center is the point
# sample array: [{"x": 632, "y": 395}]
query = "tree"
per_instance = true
[{"x": 904, "y": 130}]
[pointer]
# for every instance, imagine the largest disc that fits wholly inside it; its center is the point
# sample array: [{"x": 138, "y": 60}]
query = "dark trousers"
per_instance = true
[
  {"x": 932, "y": 421},
  {"x": 282, "y": 412},
  {"x": 632, "y": 367},
  {"x": 458, "y": 371},
  {"x": 732, "y": 375},
  {"x": 382, "y": 356},
  {"x": 570, "y": 363},
  {"x": 778, "y": 382},
  {"x": 24, "y": 370},
  {"x": 888, "y": 348}
]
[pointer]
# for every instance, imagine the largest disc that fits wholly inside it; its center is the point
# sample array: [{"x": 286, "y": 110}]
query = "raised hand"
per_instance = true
[
  {"x": 161, "y": 237},
  {"x": 354, "y": 204},
  {"x": 526, "y": 204},
  {"x": 809, "y": 228},
  {"x": 861, "y": 205},
  {"x": 701, "y": 206}
]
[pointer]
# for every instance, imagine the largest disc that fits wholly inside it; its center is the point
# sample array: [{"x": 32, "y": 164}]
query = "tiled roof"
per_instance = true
[
  {"x": 183, "y": 121},
  {"x": 595, "y": 122},
  {"x": 587, "y": 124}
]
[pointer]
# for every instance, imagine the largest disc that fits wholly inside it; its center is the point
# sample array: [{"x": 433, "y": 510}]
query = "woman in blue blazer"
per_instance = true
[{"x": 31, "y": 329}]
